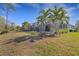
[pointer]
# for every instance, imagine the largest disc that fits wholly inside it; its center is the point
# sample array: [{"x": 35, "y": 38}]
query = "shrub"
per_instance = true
[
  {"x": 72, "y": 30},
  {"x": 3, "y": 32}
]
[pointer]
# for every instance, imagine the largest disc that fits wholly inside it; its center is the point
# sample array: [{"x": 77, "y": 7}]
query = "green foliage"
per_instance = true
[
  {"x": 18, "y": 28},
  {"x": 71, "y": 30},
  {"x": 43, "y": 16},
  {"x": 25, "y": 25},
  {"x": 55, "y": 15}
]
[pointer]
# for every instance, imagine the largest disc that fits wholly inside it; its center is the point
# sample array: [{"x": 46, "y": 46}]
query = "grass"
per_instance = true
[
  {"x": 65, "y": 45},
  {"x": 33, "y": 33},
  {"x": 63, "y": 30}
]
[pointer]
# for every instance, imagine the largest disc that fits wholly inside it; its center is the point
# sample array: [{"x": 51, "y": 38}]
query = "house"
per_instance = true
[
  {"x": 72, "y": 28},
  {"x": 48, "y": 26}
]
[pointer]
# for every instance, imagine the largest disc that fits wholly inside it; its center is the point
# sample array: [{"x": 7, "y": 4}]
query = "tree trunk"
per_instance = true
[{"x": 6, "y": 26}]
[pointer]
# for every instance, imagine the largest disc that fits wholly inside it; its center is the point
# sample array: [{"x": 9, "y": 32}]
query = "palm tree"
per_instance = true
[
  {"x": 58, "y": 15},
  {"x": 54, "y": 16},
  {"x": 43, "y": 18},
  {"x": 64, "y": 19},
  {"x": 40, "y": 21}
]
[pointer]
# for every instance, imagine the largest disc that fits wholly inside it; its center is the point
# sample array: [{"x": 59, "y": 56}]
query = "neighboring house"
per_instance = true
[
  {"x": 72, "y": 27},
  {"x": 49, "y": 26}
]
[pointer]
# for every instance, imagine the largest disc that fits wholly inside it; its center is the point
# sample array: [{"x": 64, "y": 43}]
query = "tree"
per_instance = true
[
  {"x": 43, "y": 18},
  {"x": 54, "y": 17},
  {"x": 25, "y": 25},
  {"x": 18, "y": 28},
  {"x": 58, "y": 16},
  {"x": 7, "y": 8},
  {"x": 40, "y": 19},
  {"x": 64, "y": 18}
]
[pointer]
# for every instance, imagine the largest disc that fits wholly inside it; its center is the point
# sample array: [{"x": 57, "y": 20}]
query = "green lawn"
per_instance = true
[{"x": 65, "y": 45}]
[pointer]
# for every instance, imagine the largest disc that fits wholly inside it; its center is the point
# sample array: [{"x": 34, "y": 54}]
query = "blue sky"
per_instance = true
[{"x": 29, "y": 12}]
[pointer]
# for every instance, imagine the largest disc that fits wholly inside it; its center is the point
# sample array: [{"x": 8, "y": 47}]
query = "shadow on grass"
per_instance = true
[
  {"x": 29, "y": 38},
  {"x": 24, "y": 38}
]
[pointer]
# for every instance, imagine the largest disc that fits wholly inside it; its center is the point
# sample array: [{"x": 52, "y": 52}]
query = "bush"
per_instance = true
[
  {"x": 72, "y": 30},
  {"x": 3, "y": 32}
]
